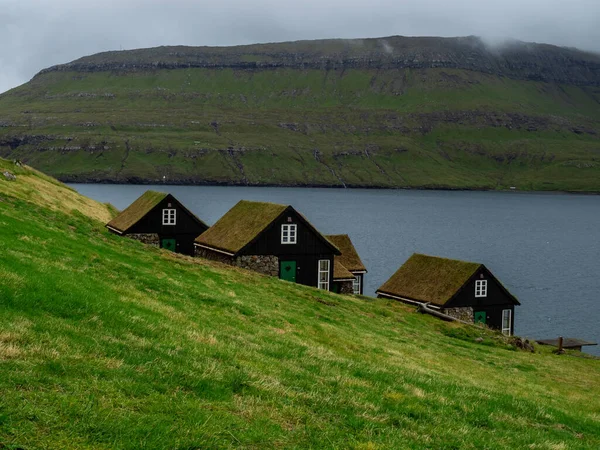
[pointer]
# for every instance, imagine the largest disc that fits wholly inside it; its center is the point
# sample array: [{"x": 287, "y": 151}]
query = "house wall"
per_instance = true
[
  {"x": 464, "y": 313},
  {"x": 147, "y": 238},
  {"x": 344, "y": 287},
  {"x": 307, "y": 251},
  {"x": 185, "y": 230},
  {"x": 267, "y": 264},
  {"x": 493, "y": 304}
]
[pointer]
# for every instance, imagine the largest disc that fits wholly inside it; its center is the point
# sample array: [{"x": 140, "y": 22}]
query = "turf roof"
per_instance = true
[
  {"x": 349, "y": 257},
  {"x": 138, "y": 209},
  {"x": 340, "y": 272},
  {"x": 240, "y": 225},
  {"x": 429, "y": 278}
]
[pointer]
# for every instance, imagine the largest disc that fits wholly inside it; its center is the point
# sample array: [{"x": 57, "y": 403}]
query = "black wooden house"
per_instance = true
[
  {"x": 159, "y": 219},
  {"x": 464, "y": 290},
  {"x": 272, "y": 239}
]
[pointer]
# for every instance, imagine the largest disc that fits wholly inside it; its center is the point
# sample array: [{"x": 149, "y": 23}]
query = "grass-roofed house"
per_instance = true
[
  {"x": 465, "y": 290},
  {"x": 159, "y": 219},
  {"x": 272, "y": 239},
  {"x": 348, "y": 269}
]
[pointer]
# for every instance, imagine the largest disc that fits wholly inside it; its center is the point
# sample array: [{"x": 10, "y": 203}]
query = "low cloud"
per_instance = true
[{"x": 35, "y": 34}]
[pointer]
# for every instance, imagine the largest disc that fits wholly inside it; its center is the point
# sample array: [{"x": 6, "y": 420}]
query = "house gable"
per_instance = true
[
  {"x": 496, "y": 293},
  {"x": 185, "y": 221},
  {"x": 308, "y": 240}
]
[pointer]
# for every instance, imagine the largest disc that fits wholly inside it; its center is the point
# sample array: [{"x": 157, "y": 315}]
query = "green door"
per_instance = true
[
  {"x": 479, "y": 317},
  {"x": 169, "y": 244},
  {"x": 287, "y": 271}
]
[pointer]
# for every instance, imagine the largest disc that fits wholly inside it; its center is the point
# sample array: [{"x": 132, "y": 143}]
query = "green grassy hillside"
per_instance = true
[
  {"x": 363, "y": 119},
  {"x": 106, "y": 343}
]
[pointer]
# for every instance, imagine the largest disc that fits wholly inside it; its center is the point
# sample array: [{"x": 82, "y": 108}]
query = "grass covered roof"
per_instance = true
[
  {"x": 340, "y": 272},
  {"x": 240, "y": 225},
  {"x": 429, "y": 278},
  {"x": 138, "y": 209},
  {"x": 349, "y": 257}
]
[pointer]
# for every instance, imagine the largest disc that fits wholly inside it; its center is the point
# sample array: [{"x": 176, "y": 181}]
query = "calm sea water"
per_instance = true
[{"x": 545, "y": 248}]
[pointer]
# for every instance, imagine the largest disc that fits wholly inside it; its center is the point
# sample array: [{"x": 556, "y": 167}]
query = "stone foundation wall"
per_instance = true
[
  {"x": 147, "y": 238},
  {"x": 268, "y": 264},
  {"x": 213, "y": 256},
  {"x": 345, "y": 287},
  {"x": 464, "y": 313}
]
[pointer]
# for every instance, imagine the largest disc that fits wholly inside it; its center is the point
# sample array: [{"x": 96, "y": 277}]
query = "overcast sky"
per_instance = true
[{"x": 35, "y": 34}]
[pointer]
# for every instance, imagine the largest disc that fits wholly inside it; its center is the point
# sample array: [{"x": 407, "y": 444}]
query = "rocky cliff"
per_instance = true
[{"x": 514, "y": 59}]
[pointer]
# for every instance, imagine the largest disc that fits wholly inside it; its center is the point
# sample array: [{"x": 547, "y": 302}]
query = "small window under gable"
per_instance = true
[
  {"x": 169, "y": 216},
  {"x": 480, "y": 288},
  {"x": 289, "y": 233}
]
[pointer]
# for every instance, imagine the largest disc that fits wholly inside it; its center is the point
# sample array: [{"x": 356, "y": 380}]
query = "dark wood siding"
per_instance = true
[
  {"x": 493, "y": 303},
  {"x": 307, "y": 251},
  {"x": 185, "y": 230}
]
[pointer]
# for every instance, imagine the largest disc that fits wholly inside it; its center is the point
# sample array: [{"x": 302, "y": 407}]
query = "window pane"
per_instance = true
[{"x": 324, "y": 265}]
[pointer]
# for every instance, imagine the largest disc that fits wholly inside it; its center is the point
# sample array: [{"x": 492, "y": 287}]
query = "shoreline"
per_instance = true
[{"x": 145, "y": 182}]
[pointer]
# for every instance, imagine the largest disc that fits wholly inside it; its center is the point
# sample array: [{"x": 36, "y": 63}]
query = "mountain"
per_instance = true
[
  {"x": 388, "y": 112},
  {"x": 108, "y": 343}
]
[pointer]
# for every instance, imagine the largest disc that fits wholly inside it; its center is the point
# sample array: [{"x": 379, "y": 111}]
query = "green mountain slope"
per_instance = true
[
  {"x": 389, "y": 112},
  {"x": 106, "y": 343}
]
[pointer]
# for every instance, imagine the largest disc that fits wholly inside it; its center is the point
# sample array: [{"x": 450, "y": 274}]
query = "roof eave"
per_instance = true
[
  {"x": 116, "y": 230},
  {"x": 214, "y": 249},
  {"x": 407, "y": 299}
]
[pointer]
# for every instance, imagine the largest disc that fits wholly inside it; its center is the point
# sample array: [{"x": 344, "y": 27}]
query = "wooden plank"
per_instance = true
[{"x": 567, "y": 342}]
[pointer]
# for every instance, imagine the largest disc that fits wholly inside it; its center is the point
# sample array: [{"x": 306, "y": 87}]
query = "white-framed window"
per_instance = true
[
  {"x": 169, "y": 216},
  {"x": 481, "y": 288},
  {"x": 356, "y": 284},
  {"x": 506, "y": 321},
  {"x": 323, "y": 280},
  {"x": 289, "y": 233}
]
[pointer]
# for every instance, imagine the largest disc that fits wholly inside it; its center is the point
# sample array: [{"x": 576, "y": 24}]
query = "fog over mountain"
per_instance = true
[{"x": 35, "y": 34}]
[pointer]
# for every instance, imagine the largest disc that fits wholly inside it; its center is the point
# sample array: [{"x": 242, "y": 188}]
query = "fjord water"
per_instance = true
[{"x": 545, "y": 248}]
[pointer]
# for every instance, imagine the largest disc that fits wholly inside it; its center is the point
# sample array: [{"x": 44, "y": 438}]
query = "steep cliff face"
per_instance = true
[
  {"x": 519, "y": 60},
  {"x": 389, "y": 112}
]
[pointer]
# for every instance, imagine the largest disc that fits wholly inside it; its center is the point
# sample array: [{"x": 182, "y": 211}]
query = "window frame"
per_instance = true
[
  {"x": 324, "y": 284},
  {"x": 507, "y": 331},
  {"x": 481, "y": 288},
  {"x": 289, "y": 230},
  {"x": 169, "y": 216},
  {"x": 356, "y": 282}
]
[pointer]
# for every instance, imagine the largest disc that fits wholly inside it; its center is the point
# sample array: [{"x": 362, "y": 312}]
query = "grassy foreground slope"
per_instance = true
[
  {"x": 316, "y": 113},
  {"x": 106, "y": 343}
]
